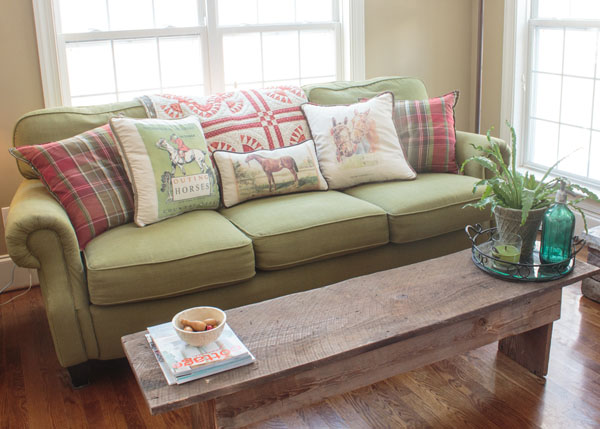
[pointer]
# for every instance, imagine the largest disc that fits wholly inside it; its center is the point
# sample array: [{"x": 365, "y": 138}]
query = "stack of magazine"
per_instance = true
[{"x": 181, "y": 362}]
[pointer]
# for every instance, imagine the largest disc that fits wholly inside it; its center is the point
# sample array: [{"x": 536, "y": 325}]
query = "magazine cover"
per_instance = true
[
  {"x": 182, "y": 358},
  {"x": 204, "y": 371}
]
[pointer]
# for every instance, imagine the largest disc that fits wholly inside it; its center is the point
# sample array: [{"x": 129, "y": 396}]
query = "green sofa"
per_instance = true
[{"x": 129, "y": 278}]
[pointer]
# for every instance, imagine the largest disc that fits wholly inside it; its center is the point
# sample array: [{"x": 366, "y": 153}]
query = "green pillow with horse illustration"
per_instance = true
[
  {"x": 168, "y": 165},
  {"x": 262, "y": 173}
]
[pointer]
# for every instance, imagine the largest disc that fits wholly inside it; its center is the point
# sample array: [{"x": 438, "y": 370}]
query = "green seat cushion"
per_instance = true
[
  {"x": 187, "y": 253},
  {"x": 349, "y": 92},
  {"x": 295, "y": 229},
  {"x": 426, "y": 207}
]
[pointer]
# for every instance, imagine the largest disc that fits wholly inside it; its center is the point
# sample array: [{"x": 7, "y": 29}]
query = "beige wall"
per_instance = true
[
  {"x": 20, "y": 87},
  {"x": 430, "y": 39},
  {"x": 492, "y": 66},
  {"x": 435, "y": 40}
]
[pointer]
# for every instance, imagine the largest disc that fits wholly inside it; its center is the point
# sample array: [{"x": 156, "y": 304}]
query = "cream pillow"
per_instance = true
[
  {"x": 168, "y": 165},
  {"x": 262, "y": 173},
  {"x": 357, "y": 143}
]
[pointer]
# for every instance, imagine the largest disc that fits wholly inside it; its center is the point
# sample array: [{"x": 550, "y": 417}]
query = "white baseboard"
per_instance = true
[
  {"x": 21, "y": 279},
  {"x": 4, "y": 215}
]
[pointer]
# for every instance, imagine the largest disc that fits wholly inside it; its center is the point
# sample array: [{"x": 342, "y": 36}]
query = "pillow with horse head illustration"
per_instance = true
[
  {"x": 358, "y": 143},
  {"x": 262, "y": 173},
  {"x": 168, "y": 165}
]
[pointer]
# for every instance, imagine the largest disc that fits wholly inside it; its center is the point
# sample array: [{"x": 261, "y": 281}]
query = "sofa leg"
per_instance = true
[{"x": 80, "y": 375}]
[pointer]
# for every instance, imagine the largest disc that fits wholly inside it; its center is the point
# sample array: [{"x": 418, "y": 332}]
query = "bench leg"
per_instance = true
[
  {"x": 204, "y": 415},
  {"x": 530, "y": 349}
]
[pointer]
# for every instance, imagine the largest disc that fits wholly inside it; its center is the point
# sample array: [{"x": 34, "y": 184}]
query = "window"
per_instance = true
[
  {"x": 561, "y": 97},
  {"x": 101, "y": 51}
]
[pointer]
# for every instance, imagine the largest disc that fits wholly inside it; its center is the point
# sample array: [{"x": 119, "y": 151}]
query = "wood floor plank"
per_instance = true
[
  {"x": 14, "y": 400},
  {"x": 481, "y": 388},
  {"x": 329, "y": 415},
  {"x": 481, "y": 397},
  {"x": 555, "y": 406},
  {"x": 485, "y": 397},
  {"x": 343, "y": 408},
  {"x": 387, "y": 407},
  {"x": 519, "y": 402},
  {"x": 429, "y": 386},
  {"x": 429, "y": 411}
]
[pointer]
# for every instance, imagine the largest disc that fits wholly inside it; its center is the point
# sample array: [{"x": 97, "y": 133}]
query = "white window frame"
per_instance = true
[
  {"x": 516, "y": 63},
  {"x": 514, "y": 71},
  {"x": 350, "y": 63}
]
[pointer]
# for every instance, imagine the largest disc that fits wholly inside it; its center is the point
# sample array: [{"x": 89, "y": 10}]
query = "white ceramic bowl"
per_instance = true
[{"x": 203, "y": 338}]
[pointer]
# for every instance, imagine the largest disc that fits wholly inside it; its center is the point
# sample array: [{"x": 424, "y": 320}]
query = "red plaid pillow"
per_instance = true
[
  {"x": 427, "y": 134},
  {"x": 86, "y": 175}
]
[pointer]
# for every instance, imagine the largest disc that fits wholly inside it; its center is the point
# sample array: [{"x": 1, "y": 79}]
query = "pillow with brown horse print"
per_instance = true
[{"x": 263, "y": 173}]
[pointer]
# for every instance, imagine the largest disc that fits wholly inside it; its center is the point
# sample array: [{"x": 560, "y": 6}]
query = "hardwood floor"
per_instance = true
[{"x": 479, "y": 389}]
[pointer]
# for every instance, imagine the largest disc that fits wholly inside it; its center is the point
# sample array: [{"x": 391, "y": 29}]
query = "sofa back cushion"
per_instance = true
[
  {"x": 54, "y": 124},
  {"x": 403, "y": 88}
]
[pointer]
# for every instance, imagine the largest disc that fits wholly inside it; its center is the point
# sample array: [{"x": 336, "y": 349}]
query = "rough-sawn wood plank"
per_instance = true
[{"x": 300, "y": 332}]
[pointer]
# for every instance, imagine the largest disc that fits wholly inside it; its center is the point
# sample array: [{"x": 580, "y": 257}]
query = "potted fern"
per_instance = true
[{"x": 518, "y": 200}]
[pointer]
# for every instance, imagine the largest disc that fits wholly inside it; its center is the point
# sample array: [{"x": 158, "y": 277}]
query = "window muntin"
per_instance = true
[
  {"x": 247, "y": 12},
  {"x": 111, "y": 50},
  {"x": 77, "y": 16},
  {"x": 566, "y": 9},
  {"x": 563, "y": 108}
]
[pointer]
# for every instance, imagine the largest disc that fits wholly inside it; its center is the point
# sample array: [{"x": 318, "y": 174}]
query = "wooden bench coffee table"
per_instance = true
[{"x": 326, "y": 341}]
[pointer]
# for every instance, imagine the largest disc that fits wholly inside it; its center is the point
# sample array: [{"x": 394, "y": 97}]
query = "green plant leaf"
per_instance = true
[
  {"x": 540, "y": 204},
  {"x": 513, "y": 155},
  {"x": 583, "y": 190},
  {"x": 489, "y": 191},
  {"x": 482, "y": 203},
  {"x": 530, "y": 182},
  {"x": 484, "y": 149},
  {"x": 550, "y": 170},
  {"x": 502, "y": 192},
  {"x": 483, "y": 161},
  {"x": 582, "y": 217},
  {"x": 481, "y": 183},
  {"x": 526, "y": 203},
  {"x": 511, "y": 189}
]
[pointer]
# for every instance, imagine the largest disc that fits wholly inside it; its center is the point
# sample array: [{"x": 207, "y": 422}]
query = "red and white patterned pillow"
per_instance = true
[
  {"x": 240, "y": 121},
  {"x": 85, "y": 174},
  {"x": 427, "y": 133}
]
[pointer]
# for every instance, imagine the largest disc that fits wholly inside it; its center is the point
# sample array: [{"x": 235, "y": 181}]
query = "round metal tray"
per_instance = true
[{"x": 525, "y": 271}]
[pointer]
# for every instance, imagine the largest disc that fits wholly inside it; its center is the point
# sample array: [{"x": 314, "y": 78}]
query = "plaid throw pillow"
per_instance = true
[
  {"x": 427, "y": 134},
  {"x": 85, "y": 174}
]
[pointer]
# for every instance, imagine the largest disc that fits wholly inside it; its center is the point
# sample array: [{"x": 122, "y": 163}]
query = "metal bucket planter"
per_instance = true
[{"x": 509, "y": 220}]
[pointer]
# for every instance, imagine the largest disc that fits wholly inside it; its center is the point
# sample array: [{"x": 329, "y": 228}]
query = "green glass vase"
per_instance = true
[{"x": 558, "y": 225}]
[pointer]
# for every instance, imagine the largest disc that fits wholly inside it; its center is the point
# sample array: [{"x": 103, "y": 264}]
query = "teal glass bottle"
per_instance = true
[{"x": 557, "y": 230}]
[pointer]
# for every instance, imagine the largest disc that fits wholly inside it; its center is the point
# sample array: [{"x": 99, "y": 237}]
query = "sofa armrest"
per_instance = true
[
  {"x": 39, "y": 235},
  {"x": 33, "y": 209},
  {"x": 465, "y": 150}
]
